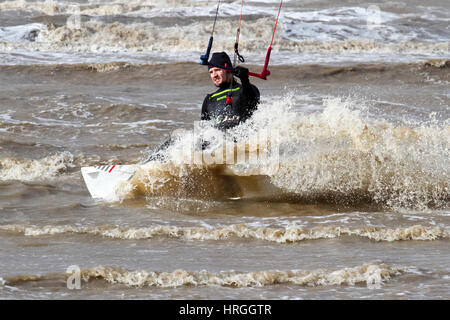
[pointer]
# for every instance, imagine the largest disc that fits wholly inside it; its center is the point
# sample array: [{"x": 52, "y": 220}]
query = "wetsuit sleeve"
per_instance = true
[
  {"x": 205, "y": 115},
  {"x": 249, "y": 90},
  {"x": 252, "y": 96}
]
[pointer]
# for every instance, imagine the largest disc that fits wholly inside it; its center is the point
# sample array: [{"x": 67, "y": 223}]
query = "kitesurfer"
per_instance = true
[{"x": 232, "y": 103}]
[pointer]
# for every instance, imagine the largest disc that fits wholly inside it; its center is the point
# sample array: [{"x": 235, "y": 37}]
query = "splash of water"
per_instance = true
[{"x": 337, "y": 155}]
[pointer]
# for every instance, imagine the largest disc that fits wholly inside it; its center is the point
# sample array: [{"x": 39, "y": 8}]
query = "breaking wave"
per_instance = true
[
  {"x": 372, "y": 275},
  {"x": 289, "y": 234},
  {"x": 35, "y": 170},
  {"x": 97, "y": 36}
]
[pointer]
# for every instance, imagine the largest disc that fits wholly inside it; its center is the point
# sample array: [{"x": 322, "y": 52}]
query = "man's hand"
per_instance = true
[{"x": 241, "y": 72}]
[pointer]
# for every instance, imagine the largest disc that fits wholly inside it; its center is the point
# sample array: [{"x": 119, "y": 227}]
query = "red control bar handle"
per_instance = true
[{"x": 264, "y": 73}]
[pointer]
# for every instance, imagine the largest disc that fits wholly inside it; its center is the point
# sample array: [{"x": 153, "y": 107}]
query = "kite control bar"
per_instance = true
[
  {"x": 265, "y": 72},
  {"x": 204, "y": 58}
]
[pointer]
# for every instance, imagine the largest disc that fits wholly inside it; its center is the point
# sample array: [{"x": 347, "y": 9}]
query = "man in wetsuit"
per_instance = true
[{"x": 232, "y": 103}]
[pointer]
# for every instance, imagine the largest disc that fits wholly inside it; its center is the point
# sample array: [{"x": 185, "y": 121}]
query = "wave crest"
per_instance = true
[
  {"x": 289, "y": 234},
  {"x": 35, "y": 170},
  {"x": 371, "y": 274}
]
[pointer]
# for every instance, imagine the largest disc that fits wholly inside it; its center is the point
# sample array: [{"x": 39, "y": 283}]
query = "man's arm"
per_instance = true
[
  {"x": 205, "y": 114},
  {"x": 250, "y": 91}
]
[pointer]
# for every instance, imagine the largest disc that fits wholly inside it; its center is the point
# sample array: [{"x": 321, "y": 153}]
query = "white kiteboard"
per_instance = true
[{"x": 103, "y": 181}]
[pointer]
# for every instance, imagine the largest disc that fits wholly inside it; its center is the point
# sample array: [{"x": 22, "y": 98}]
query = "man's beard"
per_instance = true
[{"x": 225, "y": 84}]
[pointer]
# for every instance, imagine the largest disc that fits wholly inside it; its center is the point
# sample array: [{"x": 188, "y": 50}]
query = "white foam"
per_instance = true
[
  {"x": 21, "y": 33},
  {"x": 372, "y": 274}
]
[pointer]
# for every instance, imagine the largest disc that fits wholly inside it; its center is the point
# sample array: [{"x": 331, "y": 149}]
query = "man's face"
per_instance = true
[{"x": 220, "y": 76}]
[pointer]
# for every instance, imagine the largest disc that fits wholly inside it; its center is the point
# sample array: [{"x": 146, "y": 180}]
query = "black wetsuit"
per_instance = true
[{"x": 244, "y": 103}]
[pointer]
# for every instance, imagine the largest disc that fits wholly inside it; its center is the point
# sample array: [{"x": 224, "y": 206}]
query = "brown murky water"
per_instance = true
[{"x": 358, "y": 207}]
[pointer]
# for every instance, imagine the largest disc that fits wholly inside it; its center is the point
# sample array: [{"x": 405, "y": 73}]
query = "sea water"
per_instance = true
[{"x": 357, "y": 106}]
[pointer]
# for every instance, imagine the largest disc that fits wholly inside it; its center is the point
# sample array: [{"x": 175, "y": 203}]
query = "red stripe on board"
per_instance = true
[{"x": 111, "y": 168}]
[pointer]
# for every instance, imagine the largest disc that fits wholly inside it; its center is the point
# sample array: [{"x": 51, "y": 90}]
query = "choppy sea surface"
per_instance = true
[{"x": 357, "y": 106}]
